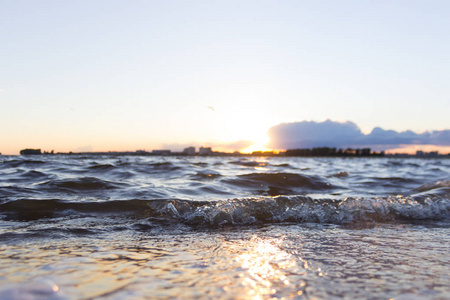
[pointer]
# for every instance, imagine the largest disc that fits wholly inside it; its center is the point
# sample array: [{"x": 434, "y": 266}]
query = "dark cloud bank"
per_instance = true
[{"x": 310, "y": 134}]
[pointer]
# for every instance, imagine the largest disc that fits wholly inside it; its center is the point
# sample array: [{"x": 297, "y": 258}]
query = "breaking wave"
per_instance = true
[{"x": 248, "y": 211}]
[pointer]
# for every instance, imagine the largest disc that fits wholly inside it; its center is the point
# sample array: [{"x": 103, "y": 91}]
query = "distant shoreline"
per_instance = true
[{"x": 311, "y": 152}]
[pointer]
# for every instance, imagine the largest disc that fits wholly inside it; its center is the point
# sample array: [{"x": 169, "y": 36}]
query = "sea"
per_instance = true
[{"x": 166, "y": 227}]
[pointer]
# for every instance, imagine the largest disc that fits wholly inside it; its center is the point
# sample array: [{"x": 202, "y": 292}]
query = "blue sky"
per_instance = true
[{"x": 127, "y": 75}]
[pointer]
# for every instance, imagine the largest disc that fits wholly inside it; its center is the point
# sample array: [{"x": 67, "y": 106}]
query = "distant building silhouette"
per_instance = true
[
  {"x": 189, "y": 151},
  {"x": 205, "y": 151},
  {"x": 161, "y": 152}
]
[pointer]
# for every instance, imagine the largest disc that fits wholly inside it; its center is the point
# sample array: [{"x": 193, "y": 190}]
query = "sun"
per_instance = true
[
  {"x": 255, "y": 147},
  {"x": 259, "y": 145}
]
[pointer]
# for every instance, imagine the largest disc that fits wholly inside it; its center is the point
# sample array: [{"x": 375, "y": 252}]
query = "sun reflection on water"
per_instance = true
[{"x": 266, "y": 267}]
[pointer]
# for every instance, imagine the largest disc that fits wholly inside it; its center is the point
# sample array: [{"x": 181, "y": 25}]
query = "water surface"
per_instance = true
[{"x": 131, "y": 227}]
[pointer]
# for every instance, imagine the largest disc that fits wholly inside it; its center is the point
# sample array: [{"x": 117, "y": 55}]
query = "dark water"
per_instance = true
[{"x": 129, "y": 227}]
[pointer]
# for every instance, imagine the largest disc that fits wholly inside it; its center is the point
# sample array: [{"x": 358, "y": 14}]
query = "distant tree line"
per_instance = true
[
  {"x": 326, "y": 151},
  {"x": 30, "y": 152},
  {"x": 318, "y": 151}
]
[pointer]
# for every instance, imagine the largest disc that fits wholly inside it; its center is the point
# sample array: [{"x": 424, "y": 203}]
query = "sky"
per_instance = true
[{"x": 133, "y": 75}]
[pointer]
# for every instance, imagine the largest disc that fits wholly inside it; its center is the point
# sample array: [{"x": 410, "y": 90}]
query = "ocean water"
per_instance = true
[{"x": 144, "y": 227}]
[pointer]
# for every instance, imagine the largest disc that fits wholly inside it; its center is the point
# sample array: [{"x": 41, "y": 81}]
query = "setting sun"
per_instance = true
[
  {"x": 259, "y": 145},
  {"x": 255, "y": 147}
]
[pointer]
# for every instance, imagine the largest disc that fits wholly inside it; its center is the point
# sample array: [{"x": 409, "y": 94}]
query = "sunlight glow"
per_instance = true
[
  {"x": 259, "y": 145},
  {"x": 255, "y": 147}
]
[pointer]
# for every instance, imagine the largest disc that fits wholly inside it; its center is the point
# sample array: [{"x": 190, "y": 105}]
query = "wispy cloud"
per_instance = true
[{"x": 308, "y": 134}]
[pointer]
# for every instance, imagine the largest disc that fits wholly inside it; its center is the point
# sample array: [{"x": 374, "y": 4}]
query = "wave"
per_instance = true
[
  {"x": 22, "y": 176},
  {"x": 165, "y": 166},
  {"x": 275, "y": 184},
  {"x": 246, "y": 163},
  {"x": 259, "y": 164},
  {"x": 206, "y": 175},
  {"x": 243, "y": 211},
  {"x": 81, "y": 184},
  {"x": 15, "y": 163},
  {"x": 301, "y": 209},
  {"x": 102, "y": 167},
  {"x": 433, "y": 185}
]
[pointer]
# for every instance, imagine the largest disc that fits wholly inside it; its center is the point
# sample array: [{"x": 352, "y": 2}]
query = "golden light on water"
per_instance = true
[{"x": 266, "y": 266}]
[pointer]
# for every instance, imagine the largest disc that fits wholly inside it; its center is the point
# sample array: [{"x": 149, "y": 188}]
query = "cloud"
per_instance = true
[{"x": 309, "y": 134}]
